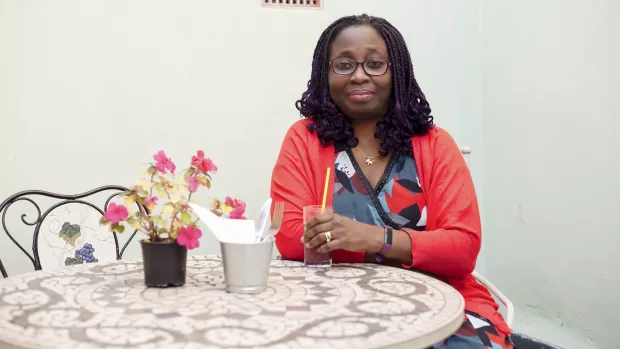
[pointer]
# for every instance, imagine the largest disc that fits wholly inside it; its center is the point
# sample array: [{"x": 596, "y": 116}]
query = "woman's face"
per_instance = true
[{"x": 361, "y": 96}]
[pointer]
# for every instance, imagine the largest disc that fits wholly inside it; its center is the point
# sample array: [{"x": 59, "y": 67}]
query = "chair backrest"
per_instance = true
[
  {"x": 69, "y": 229},
  {"x": 466, "y": 151}
]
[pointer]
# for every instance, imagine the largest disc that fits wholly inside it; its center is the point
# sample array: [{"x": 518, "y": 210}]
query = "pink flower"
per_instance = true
[
  {"x": 234, "y": 202},
  {"x": 115, "y": 213},
  {"x": 163, "y": 163},
  {"x": 239, "y": 208},
  {"x": 203, "y": 164},
  {"x": 237, "y": 213},
  {"x": 151, "y": 201},
  {"x": 193, "y": 183},
  {"x": 188, "y": 237}
]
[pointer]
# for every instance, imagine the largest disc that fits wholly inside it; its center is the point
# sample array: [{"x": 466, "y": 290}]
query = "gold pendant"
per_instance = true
[{"x": 370, "y": 161}]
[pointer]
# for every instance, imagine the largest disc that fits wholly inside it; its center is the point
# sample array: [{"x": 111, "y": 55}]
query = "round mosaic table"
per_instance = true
[{"x": 106, "y": 305}]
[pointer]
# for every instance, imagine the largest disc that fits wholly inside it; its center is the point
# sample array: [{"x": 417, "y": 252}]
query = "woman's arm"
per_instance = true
[
  {"x": 451, "y": 245},
  {"x": 351, "y": 235},
  {"x": 290, "y": 184},
  {"x": 401, "y": 244}
]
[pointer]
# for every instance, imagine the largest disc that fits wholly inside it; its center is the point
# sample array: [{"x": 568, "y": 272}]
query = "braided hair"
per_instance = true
[{"x": 407, "y": 115}]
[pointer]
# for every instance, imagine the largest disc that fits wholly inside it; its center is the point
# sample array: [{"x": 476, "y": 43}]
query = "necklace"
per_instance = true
[{"x": 368, "y": 160}]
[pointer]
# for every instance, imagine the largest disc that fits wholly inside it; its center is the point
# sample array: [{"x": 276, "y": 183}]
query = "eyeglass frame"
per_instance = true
[{"x": 357, "y": 64}]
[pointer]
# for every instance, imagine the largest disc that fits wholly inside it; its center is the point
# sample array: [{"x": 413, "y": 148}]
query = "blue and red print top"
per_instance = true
[{"x": 397, "y": 201}]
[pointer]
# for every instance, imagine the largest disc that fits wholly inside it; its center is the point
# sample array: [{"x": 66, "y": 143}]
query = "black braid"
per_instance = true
[{"x": 408, "y": 114}]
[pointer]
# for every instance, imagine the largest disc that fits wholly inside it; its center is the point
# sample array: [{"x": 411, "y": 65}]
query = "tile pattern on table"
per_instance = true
[{"x": 106, "y": 305}]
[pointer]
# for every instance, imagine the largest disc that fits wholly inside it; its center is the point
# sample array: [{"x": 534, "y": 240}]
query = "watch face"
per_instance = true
[{"x": 388, "y": 236}]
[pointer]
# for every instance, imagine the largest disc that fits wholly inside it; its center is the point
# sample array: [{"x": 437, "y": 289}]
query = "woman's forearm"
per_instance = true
[{"x": 401, "y": 244}]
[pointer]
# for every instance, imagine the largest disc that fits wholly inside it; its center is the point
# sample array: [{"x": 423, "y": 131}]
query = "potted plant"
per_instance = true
[{"x": 166, "y": 217}]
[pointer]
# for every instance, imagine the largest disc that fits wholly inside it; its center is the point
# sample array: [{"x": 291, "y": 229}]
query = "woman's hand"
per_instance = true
[{"x": 346, "y": 234}]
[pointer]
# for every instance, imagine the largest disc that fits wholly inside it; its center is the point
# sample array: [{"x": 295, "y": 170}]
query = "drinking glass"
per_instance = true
[{"x": 312, "y": 257}]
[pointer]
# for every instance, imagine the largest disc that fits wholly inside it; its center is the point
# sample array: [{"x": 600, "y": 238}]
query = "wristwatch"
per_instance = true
[{"x": 387, "y": 243}]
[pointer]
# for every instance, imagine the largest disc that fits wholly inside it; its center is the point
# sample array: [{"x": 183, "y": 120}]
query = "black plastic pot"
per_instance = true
[{"x": 164, "y": 263}]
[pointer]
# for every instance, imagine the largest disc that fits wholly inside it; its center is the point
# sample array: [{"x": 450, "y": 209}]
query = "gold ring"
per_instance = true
[{"x": 328, "y": 236}]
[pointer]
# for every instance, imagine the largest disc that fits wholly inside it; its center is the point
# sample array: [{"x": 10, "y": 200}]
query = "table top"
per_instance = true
[{"x": 106, "y": 305}]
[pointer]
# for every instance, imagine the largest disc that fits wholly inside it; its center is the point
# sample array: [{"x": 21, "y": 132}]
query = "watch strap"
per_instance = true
[{"x": 387, "y": 243}]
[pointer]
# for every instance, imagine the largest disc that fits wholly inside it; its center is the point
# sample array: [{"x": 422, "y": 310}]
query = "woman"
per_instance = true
[{"x": 397, "y": 175}]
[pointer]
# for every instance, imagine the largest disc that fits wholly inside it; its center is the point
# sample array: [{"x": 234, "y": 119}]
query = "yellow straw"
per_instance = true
[{"x": 325, "y": 189}]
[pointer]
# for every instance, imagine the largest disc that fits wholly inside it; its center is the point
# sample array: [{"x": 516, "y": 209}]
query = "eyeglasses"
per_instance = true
[{"x": 347, "y": 66}]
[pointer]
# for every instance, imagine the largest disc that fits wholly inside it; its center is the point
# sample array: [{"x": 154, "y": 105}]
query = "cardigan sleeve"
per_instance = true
[
  {"x": 291, "y": 184},
  {"x": 450, "y": 247},
  {"x": 297, "y": 180}
]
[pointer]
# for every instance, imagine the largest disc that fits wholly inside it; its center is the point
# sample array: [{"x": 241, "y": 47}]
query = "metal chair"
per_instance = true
[
  {"x": 510, "y": 310},
  {"x": 522, "y": 341},
  {"x": 69, "y": 240}
]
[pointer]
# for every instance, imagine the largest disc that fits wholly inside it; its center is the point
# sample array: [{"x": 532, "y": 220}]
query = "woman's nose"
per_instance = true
[{"x": 359, "y": 75}]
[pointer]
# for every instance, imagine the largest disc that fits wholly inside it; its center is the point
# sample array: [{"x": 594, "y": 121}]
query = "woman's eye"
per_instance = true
[
  {"x": 375, "y": 64},
  {"x": 344, "y": 65}
]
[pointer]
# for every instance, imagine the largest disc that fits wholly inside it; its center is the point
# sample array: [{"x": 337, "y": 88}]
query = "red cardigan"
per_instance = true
[{"x": 449, "y": 246}]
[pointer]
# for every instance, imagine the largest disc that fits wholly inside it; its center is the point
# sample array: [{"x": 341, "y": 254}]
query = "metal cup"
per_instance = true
[{"x": 246, "y": 266}]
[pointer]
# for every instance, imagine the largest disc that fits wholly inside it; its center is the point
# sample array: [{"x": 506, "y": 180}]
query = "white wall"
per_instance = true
[
  {"x": 89, "y": 90},
  {"x": 551, "y": 165}
]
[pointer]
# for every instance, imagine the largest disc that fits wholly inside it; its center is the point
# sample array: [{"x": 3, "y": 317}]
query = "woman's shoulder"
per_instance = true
[
  {"x": 436, "y": 136},
  {"x": 299, "y": 132},
  {"x": 300, "y": 126},
  {"x": 437, "y": 145}
]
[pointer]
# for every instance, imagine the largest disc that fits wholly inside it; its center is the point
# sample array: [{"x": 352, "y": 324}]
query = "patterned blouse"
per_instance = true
[{"x": 397, "y": 201}]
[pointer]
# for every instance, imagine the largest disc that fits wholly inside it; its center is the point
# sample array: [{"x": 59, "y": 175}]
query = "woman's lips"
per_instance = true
[{"x": 361, "y": 95}]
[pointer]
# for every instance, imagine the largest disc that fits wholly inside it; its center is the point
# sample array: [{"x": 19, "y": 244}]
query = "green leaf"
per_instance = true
[
  {"x": 160, "y": 221},
  {"x": 186, "y": 218},
  {"x": 168, "y": 208},
  {"x": 70, "y": 233},
  {"x": 120, "y": 229},
  {"x": 142, "y": 193},
  {"x": 160, "y": 191},
  {"x": 175, "y": 196},
  {"x": 129, "y": 200},
  {"x": 73, "y": 261},
  {"x": 134, "y": 223}
]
